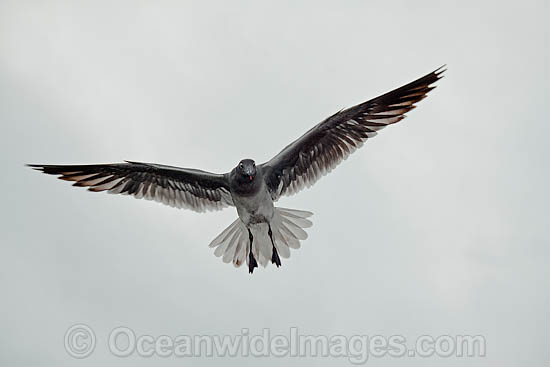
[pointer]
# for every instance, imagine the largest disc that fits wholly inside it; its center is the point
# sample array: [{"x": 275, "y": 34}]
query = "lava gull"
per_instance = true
[{"x": 262, "y": 233}]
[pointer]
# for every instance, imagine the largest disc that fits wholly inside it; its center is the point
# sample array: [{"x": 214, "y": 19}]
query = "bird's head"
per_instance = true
[{"x": 247, "y": 169}]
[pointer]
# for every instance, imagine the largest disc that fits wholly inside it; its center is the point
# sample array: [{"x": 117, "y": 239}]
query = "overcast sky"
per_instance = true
[{"x": 438, "y": 226}]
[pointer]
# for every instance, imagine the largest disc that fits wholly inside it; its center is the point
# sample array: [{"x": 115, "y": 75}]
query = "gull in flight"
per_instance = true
[{"x": 262, "y": 233}]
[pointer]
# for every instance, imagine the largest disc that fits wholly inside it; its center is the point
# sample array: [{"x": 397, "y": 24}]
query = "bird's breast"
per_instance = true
[{"x": 255, "y": 208}]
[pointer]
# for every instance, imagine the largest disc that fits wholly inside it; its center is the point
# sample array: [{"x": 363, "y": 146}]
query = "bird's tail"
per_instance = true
[{"x": 287, "y": 227}]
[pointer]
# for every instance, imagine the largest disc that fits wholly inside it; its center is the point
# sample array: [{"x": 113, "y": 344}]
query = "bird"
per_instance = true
[{"x": 262, "y": 233}]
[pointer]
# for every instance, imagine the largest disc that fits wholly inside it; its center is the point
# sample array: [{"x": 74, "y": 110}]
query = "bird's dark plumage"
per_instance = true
[
  {"x": 328, "y": 143},
  {"x": 179, "y": 187},
  {"x": 263, "y": 233}
]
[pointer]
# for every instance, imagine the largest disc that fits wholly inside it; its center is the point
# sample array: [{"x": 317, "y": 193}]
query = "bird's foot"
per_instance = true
[
  {"x": 275, "y": 259},
  {"x": 252, "y": 263}
]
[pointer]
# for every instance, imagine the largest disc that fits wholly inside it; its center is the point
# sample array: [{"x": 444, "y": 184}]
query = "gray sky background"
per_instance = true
[{"x": 437, "y": 226}]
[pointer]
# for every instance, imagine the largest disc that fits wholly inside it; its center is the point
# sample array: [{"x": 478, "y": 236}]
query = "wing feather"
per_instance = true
[
  {"x": 328, "y": 143},
  {"x": 177, "y": 187}
]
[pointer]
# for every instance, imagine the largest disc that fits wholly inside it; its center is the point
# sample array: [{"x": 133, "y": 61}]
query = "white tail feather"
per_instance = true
[{"x": 287, "y": 227}]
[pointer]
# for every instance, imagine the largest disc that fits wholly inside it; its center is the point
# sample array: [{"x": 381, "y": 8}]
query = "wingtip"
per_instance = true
[
  {"x": 440, "y": 70},
  {"x": 36, "y": 167}
]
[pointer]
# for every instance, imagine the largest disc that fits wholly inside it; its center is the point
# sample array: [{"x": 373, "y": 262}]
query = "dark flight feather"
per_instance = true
[
  {"x": 323, "y": 147},
  {"x": 174, "y": 186}
]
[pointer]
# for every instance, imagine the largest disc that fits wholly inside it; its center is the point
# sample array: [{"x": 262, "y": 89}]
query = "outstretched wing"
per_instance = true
[
  {"x": 178, "y": 187},
  {"x": 328, "y": 143}
]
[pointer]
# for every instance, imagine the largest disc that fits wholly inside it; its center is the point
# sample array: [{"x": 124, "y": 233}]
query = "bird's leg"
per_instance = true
[
  {"x": 251, "y": 260},
  {"x": 275, "y": 256}
]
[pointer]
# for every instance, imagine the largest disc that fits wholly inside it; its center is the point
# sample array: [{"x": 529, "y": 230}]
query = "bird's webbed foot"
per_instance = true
[
  {"x": 275, "y": 259},
  {"x": 252, "y": 263}
]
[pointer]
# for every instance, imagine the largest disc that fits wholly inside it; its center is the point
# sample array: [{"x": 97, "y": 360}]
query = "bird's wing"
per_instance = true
[
  {"x": 178, "y": 187},
  {"x": 322, "y": 148}
]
